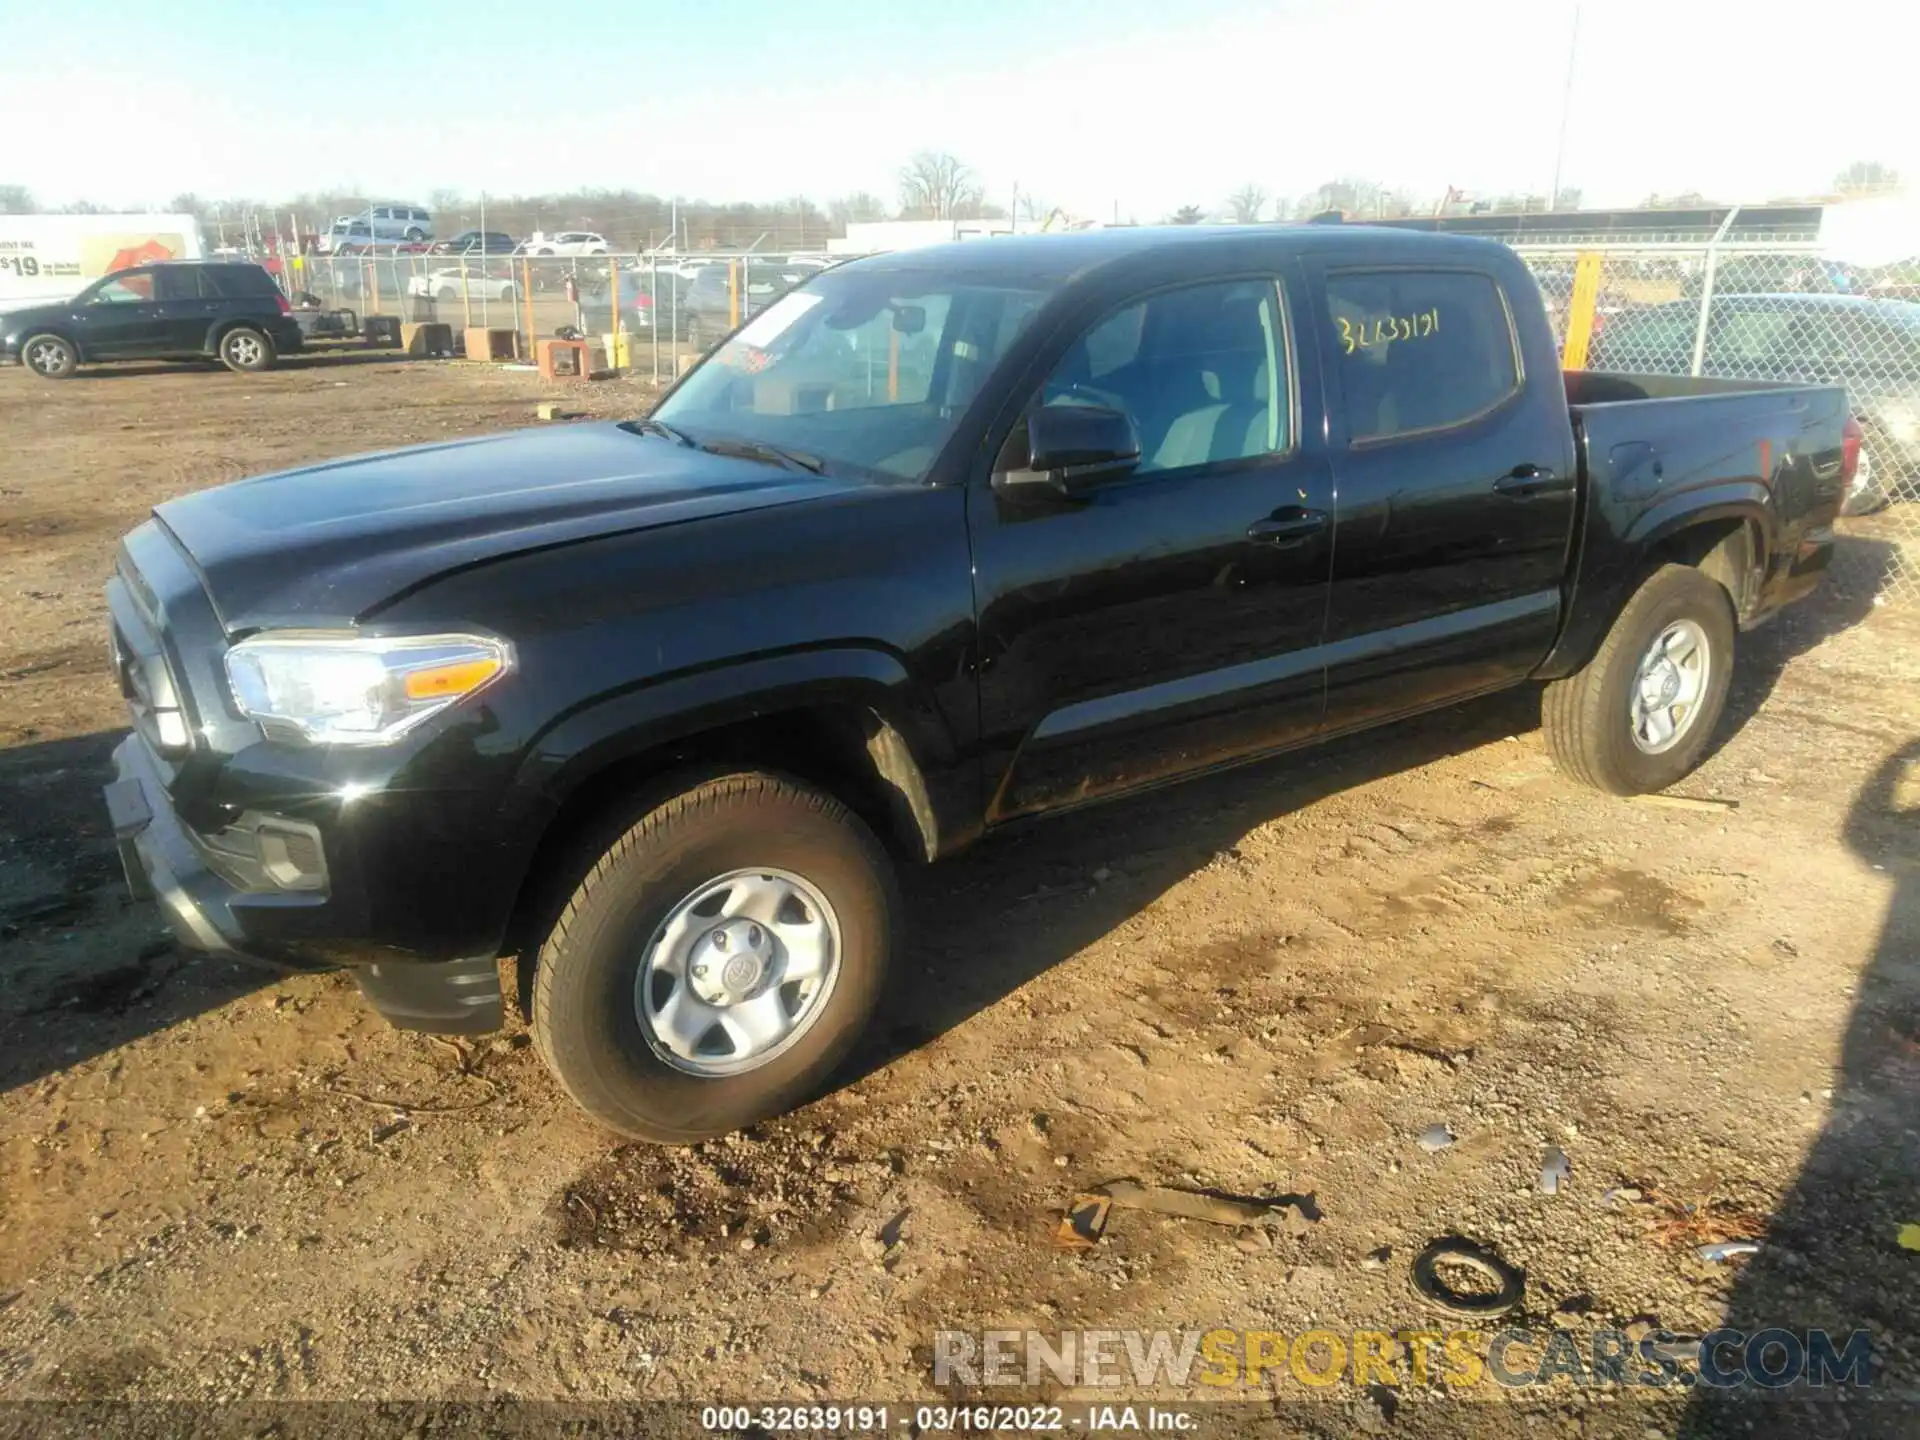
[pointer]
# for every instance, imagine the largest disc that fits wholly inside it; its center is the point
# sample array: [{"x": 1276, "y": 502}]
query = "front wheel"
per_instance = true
[
  {"x": 718, "y": 960},
  {"x": 50, "y": 357},
  {"x": 246, "y": 350},
  {"x": 1639, "y": 715}
]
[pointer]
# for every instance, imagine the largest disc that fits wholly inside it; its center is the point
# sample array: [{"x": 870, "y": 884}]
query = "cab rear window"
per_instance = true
[{"x": 1419, "y": 350}]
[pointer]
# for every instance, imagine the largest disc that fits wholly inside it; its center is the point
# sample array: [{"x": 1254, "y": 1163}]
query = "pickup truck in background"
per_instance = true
[{"x": 936, "y": 542}]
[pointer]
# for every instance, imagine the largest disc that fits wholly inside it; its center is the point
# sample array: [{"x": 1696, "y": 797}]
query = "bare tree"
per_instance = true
[
  {"x": 937, "y": 186},
  {"x": 16, "y": 200},
  {"x": 857, "y": 208},
  {"x": 1246, "y": 203},
  {"x": 1865, "y": 177},
  {"x": 1188, "y": 215}
]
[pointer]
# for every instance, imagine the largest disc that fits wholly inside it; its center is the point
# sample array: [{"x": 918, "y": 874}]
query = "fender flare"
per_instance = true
[{"x": 907, "y": 736}]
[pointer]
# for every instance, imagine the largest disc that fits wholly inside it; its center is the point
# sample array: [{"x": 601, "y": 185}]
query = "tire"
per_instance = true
[
  {"x": 415, "y": 235},
  {"x": 593, "y": 1020},
  {"x": 246, "y": 350},
  {"x": 1590, "y": 717},
  {"x": 446, "y": 292},
  {"x": 51, "y": 357}
]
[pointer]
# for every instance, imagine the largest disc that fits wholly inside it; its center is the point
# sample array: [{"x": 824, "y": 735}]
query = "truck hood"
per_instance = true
[{"x": 327, "y": 544}]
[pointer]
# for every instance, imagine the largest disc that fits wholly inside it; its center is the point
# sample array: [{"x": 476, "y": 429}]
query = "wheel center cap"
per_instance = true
[
  {"x": 740, "y": 973},
  {"x": 731, "y": 962},
  {"x": 1661, "y": 686}
]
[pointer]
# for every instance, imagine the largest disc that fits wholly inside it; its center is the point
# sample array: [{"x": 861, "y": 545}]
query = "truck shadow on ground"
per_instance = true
[
  {"x": 1832, "y": 1256},
  {"x": 84, "y": 969},
  {"x": 988, "y": 921}
]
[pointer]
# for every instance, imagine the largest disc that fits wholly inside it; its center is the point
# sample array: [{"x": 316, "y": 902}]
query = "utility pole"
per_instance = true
[{"x": 1566, "y": 108}]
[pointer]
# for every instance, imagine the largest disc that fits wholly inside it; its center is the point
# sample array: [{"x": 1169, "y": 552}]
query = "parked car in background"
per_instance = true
[
  {"x": 1871, "y": 346},
  {"x": 494, "y": 281},
  {"x": 398, "y": 222},
  {"x": 232, "y": 312},
  {"x": 724, "y": 293},
  {"x": 567, "y": 242},
  {"x": 475, "y": 242}
]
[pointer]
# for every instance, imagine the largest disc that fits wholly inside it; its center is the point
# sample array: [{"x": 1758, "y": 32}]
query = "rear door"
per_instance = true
[
  {"x": 121, "y": 318},
  {"x": 1166, "y": 620},
  {"x": 189, "y": 304},
  {"x": 1456, "y": 486}
]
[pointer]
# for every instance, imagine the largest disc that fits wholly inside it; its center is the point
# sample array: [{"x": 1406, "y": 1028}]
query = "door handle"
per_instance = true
[
  {"x": 1288, "y": 526},
  {"x": 1524, "y": 481}
]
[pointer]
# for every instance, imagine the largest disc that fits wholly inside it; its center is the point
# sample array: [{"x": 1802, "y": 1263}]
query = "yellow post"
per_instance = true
[
  {"x": 733, "y": 294},
  {"x": 893, "y": 365},
  {"x": 613, "y": 289},
  {"x": 466, "y": 296},
  {"x": 1580, "y": 306},
  {"x": 526, "y": 293},
  {"x": 373, "y": 269}
]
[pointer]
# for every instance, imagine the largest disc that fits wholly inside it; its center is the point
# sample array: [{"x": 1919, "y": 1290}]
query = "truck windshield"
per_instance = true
[{"x": 868, "y": 370}]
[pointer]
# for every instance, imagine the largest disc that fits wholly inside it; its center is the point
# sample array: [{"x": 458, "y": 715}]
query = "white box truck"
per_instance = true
[{"x": 46, "y": 258}]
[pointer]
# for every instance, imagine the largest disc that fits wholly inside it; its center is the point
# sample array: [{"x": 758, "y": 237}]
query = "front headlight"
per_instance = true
[{"x": 355, "y": 690}]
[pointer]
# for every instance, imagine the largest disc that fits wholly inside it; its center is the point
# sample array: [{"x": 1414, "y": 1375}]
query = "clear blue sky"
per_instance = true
[{"x": 1085, "y": 102}]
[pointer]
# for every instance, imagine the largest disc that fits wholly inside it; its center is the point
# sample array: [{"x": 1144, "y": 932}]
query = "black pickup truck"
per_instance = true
[{"x": 936, "y": 542}]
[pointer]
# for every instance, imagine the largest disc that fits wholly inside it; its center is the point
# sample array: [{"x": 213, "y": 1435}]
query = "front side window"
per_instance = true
[
  {"x": 1202, "y": 372},
  {"x": 870, "y": 370},
  {"x": 1419, "y": 349}
]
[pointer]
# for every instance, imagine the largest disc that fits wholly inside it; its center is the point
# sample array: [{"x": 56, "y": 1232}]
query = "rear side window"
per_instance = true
[{"x": 1419, "y": 349}]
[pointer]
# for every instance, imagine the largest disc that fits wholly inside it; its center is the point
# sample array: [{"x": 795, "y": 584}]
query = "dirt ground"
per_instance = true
[{"x": 216, "y": 1183}]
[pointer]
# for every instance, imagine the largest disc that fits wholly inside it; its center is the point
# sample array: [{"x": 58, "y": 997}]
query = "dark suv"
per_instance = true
[{"x": 229, "y": 311}]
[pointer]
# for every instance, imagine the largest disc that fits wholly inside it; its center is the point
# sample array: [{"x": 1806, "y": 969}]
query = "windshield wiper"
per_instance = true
[
  {"x": 761, "y": 450},
  {"x": 664, "y": 431}
]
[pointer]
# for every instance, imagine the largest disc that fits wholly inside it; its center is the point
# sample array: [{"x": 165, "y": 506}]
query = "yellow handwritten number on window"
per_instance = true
[{"x": 1384, "y": 329}]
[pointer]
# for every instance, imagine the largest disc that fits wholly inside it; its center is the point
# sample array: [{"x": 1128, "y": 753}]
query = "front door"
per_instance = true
[
  {"x": 1165, "y": 620},
  {"x": 121, "y": 318},
  {"x": 1456, "y": 478}
]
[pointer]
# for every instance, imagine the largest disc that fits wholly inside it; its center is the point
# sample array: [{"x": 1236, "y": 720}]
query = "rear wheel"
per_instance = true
[
  {"x": 50, "y": 357},
  {"x": 1638, "y": 716},
  {"x": 718, "y": 960},
  {"x": 246, "y": 350}
]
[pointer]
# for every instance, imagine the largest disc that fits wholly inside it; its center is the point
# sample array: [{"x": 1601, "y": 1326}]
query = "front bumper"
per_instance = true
[{"x": 166, "y": 861}]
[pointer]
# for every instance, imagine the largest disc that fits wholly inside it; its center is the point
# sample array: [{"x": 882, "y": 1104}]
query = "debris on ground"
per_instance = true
[
  {"x": 1086, "y": 1216},
  {"x": 1727, "y": 1250},
  {"x": 1706, "y": 1221},
  {"x": 1081, "y": 1227},
  {"x": 1909, "y": 1236},
  {"x": 1377, "y": 1259},
  {"x": 1688, "y": 802},
  {"x": 1555, "y": 1169},
  {"x": 1507, "y": 1284},
  {"x": 1434, "y": 1139},
  {"x": 1619, "y": 1195}
]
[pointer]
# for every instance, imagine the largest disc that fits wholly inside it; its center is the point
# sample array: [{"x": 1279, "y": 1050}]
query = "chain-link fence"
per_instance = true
[
  {"x": 1774, "y": 311},
  {"x": 651, "y": 312}
]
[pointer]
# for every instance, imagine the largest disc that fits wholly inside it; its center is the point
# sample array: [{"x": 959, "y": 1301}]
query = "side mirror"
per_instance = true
[
  {"x": 1071, "y": 447},
  {"x": 910, "y": 319}
]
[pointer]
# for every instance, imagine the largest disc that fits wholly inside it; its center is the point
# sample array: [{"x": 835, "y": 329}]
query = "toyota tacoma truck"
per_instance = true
[{"x": 935, "y": 543}]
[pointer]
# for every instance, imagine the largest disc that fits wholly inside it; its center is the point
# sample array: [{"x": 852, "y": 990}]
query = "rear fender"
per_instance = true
[{"x": 1617, "y": 550}]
